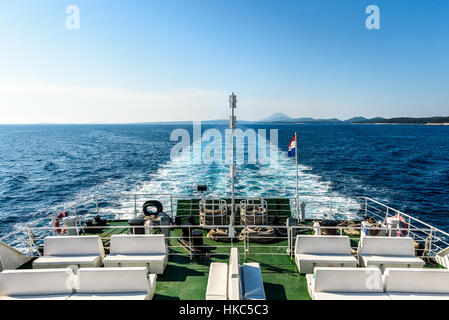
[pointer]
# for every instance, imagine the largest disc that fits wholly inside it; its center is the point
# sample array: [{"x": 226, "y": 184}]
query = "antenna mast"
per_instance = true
[{"x": 232, "y": 124}]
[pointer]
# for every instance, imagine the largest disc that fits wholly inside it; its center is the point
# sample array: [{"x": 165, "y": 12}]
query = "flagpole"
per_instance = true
[{"x": 297, "y": 175}]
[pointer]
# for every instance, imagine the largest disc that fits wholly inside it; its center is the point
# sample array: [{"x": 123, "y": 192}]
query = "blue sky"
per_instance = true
[{"x": 179, "y": 59}]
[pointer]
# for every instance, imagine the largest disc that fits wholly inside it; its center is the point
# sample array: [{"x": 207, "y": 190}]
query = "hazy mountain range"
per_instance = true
[{"x": 283, "y": 118}]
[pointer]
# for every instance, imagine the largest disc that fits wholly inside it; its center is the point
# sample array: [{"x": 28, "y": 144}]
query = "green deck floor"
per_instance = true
[{"x": 186, "y": 278}]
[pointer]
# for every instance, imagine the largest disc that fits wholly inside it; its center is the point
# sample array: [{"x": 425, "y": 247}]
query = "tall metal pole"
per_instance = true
[
  {"x": 297, "y": 175},
  {"x": 232, "y": 124}
]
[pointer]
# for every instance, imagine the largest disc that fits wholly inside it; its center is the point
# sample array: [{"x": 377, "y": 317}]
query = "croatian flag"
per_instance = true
[{"x": 292, "y": 147}]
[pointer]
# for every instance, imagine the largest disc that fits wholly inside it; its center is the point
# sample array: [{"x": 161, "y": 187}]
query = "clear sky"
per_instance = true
[{"x": 137, "y": 61}]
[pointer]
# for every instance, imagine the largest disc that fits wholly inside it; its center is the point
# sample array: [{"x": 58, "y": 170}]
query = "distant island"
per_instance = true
[{"x": 283, "y": 118}]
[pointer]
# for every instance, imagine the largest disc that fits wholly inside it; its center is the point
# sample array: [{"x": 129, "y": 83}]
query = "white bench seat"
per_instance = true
[
  {"x": 323, "y": 251},
  {"x": 252, "y": 282},
  {"x": 418, "y": 296},
  {"x": 391, "y": 261},
  {"x": 217, "y": 283},
  {"x": 138, "y": 250},
  {"x": 388, "y": 252},
  {"x": 110, "y": 296},
  {"x": 38, "y": 297},
  {"x": 64, "y": 251},
  {"x": 43, "y": 284},
  {"x": 235, "y": 282},
  {"x": 346, "y": 284},
  {"x": 351, "y": 296},
  {"x": 132, "y": 260},
  {"x": 234, "y": 276},
  {"x": 64, "y": 261},
  {"x": 335, "y": 259},
  {"x": 114, "y": 284},
  {"x": 417, "y": 284}
]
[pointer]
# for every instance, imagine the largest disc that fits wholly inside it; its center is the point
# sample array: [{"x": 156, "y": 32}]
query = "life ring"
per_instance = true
[
  {"x": 58, "y": 220},
  {"x": 402, "y": 225},
  {"x": 152, "y": 203}
]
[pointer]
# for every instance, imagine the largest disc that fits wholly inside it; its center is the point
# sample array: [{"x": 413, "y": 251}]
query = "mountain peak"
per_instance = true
[
  {"x": 278, "y": 116},
  {"x": 356, "y": 119}
]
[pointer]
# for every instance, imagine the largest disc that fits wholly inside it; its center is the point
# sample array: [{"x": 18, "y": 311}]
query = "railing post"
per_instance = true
[
  {"x": 296, "y": 208},
  {"x": 171, "y": 205},
  {"x": 408, "y": 226},
  {"x": 292, "y": 241},
  {"x": 246, "y": 245},
  {"x": 135, "y": 205},
  {"x": 96, "y": 205},
  {"x": 190, "y": 243},
  {"x": 53, "y": 220},
  {"x": 30, "y": 241},
  {"x": 385, "y": 222},
  {"x": 232, "y": 242},
  {"x": 430, "y": 240},
  {"x": 76, "y": 221},
  {"x": 366, "y": 207}
]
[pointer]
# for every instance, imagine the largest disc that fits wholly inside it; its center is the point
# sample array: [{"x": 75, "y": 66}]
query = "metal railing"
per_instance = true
[
  {"x": 436, "y": 239},
  {"x": 121, "y": 206},
  {"x": 282, "y": 242},
  {"x": 220, "y": 247},
  {"x": 118, "y": 205}
]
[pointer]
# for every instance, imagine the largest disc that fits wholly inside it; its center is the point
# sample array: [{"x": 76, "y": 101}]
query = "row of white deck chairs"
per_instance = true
[
  {"x": 388, "y": 269},
  {"x": 88, "y": 251},
  {"x": 130, "y": 270},
  {"x": 369, "y": 283},
  {"x": 335, "y": 251},
  {"x": 133, "y": 283}
]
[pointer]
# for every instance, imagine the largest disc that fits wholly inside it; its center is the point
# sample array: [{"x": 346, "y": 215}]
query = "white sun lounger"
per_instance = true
[
  {"x": 417, "y": 284},
  {"x": 346, "y": 284},
  {"x": 323, "y": 251},
  {"x": 114, "y": 284},
  {"x": 388, "y": 252},
  {"x": 138, "y": 251},
  {"x": 43, "y": 284},
  {"x": 217, "y": 283},
  {"x": 64, "y": 251}
]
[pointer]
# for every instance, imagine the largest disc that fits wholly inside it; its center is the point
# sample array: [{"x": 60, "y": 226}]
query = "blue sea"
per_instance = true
[{"x": 46, "y": 167}]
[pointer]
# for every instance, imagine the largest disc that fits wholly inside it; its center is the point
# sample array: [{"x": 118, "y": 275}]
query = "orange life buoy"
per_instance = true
[{"x": 58, "y": 220}]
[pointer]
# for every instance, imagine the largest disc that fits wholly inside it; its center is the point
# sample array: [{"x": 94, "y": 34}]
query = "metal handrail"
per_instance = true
[
  {"x": 408, "y": 216},
  {"x": 418, "y": 229},
  {"x": 288, "y": 248}
]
